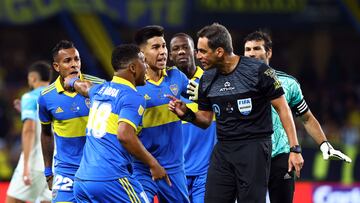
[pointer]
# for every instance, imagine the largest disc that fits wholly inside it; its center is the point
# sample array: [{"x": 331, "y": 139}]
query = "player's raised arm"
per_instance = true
[
  {"x": 201, "y": 119},
  {"x": 75, "y": 84}
]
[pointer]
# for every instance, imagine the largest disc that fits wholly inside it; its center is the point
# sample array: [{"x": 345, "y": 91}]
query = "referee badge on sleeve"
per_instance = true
[{"x": 244, "y": 106}]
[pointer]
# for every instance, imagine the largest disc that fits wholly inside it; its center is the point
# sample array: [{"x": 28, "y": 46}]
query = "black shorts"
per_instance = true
[
  {"x": 239, "y": 170},
  {"x": 281, "y": 182}
]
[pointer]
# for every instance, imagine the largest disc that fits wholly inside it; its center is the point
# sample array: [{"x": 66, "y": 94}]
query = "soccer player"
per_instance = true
[
  {"x": 161, "y": 130},
  {"x": 281, "y": 182},
  {"x": 115, "y": 113},
  {"x": 66, "y": 114},
  {"x": 198, "y": 143},
  {"x": 240, "y": 91},
  {"x": 28, "y": 182}
]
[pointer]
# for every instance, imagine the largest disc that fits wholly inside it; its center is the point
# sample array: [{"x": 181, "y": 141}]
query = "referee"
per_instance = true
[{"x": 240, "y": 91}]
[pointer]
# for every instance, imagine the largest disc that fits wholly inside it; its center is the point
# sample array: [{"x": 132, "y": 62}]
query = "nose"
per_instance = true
[
  {"x": 74, "y": 64},
  {"x": 181, "y": 51},
  {"x": 198, "y": 55}
]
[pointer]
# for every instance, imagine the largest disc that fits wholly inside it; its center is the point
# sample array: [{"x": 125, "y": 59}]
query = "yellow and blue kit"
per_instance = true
[
  {"x": 161, "y": 134},
  {"x": 198, "y": 145},
  {"x": 103, "y": 175},
  {"x": 68, "y": 114}
]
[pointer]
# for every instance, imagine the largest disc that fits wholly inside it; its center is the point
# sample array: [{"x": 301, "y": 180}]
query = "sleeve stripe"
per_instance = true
[
  {"x": 301, "y": 108},
  {"x": 93, "y": 79}
]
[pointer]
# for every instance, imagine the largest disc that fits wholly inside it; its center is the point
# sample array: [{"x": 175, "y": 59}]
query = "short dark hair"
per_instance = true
[
  {"x": 181, "y": 34},
  {"x": 258, "y": 36},
  {"x": 63, "y": 44},
  {"x": 123, "y": 54},
  {"x": 148, "y": 32},
  {"x": 43, "y": 68},
  {"x": 218, "y": 36}
]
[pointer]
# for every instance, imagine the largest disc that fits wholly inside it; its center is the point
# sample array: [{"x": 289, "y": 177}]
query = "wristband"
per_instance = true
[
  {"x": 48, "y": 171},
  {"x": 72, "y": 82},
  {"x": 189, "y": 116}
]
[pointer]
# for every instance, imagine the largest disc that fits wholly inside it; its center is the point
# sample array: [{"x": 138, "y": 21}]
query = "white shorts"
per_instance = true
[{"x": 38, "y": 190}]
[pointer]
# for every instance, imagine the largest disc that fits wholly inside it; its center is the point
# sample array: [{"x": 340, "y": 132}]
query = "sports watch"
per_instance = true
[{"x": 295, "y": 149}]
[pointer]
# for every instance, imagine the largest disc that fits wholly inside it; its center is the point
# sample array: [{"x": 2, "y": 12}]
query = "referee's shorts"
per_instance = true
[{"x": 239, "y": 170}]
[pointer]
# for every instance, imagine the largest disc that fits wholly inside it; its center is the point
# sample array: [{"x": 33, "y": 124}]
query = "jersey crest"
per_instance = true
[
  {"x": 244, "y": 106},
  {"x": 174, "y": 89}
]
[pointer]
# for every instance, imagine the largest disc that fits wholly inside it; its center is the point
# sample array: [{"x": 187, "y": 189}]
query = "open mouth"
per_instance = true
[
  {"x": 161, "y": 61},
  {"x": 74, "y": 73}
]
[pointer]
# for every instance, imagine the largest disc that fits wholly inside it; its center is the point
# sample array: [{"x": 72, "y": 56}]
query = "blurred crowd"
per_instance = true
[{"x": 323, "y": 60}]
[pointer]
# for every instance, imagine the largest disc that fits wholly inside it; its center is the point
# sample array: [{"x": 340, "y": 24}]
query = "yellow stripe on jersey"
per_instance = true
[
  {"x": 133, "y": 197},
  {"x": 193, "y": 106},
  {"x": 128, "y": 122},
  {"x": 48, "y": 89},
  {"x": 74, "y": 127},
  {"x": 132, "y": 189},
  {"x": 162, "y": 115},
  {"x": 112, "y": 124},
  {"x": 45, "y": 123},
  {"x": 93, "y": 79}
]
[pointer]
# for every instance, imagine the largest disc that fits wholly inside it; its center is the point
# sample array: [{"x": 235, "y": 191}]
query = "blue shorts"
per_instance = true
[
  {"x": 196, "y": 188},
  {"x": 176, "y": 193},
  {"x": 62, "y": 188},
  {"x": 125, "y": 189}
]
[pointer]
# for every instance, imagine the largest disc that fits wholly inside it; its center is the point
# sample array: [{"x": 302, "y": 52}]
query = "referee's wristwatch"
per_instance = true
[{"x": 295, "y": 149}]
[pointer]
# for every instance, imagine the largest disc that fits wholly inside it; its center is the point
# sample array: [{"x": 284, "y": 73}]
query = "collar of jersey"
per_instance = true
[
  {"x": 60, "y": 88},
  {"x": 163, "y": 74},
  {"x": 198, "y": 73},
  {"x": 123, "y": 81}
]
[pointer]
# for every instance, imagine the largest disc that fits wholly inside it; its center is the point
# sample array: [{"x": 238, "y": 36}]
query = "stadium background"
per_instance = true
[{"x": 317, "y": 41}]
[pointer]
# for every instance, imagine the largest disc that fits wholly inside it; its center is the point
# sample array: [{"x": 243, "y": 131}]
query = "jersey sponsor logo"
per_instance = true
[
  {"x": 287, "y": 176},
  {"x": 147, "y": 97},
  {"x": 244, "y": 106},
  {"x": 74, "y": 107},
  {"x": 174, "y": 89},
  {"x": 227, "y": 87},
  {"x": 216, "y": 110},
  {"x": 59, "y": 110},
  {"x": 229, "y": 108}
]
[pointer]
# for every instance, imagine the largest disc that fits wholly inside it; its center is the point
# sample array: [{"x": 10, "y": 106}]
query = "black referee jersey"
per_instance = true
[{"x": 241, "y": 99}]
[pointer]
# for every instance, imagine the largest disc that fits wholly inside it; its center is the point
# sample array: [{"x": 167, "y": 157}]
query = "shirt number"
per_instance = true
[{"x": 99, "y": 114}]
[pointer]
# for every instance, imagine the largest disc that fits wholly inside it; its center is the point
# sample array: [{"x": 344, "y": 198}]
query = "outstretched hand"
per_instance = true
[
  {"x": 329, "y": 152},
  {"x": 176, "y": 106}
]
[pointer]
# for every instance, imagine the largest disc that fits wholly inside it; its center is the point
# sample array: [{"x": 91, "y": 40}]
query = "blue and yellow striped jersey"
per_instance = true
[
  {"x": 161, "y": 129},
  {"x": 198, "y": 142},
  {"x": 68, "y": 113},
  {"x": 112, "y": 102}
]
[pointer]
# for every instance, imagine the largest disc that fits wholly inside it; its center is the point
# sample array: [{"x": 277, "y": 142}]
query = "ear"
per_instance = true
[
  {"x": 170, "y": 56},
  {"x": 219, "y": 52},
  {"x": 56, "y": 66},
  {"x": 269, "y": 54},
  {"x": 132, "y": 68}
]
